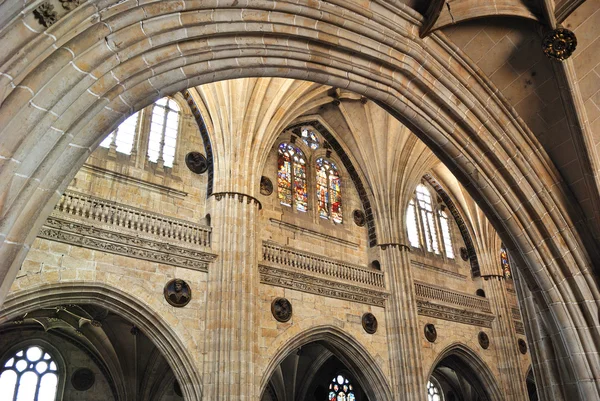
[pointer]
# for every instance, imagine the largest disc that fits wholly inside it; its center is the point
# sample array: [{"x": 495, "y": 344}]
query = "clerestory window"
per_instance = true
[
  {"x": 164, "y": 127},
  {"x": 29, "y": 374},
  {"x": 329, "y": 195},
  {"x": 504, "y": 262},
  {"x": 291, "y": 177},
  {"x": 123, "y": 137}
]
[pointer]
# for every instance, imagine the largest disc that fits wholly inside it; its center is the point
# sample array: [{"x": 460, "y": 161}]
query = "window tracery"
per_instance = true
[
  {"x": 291, "y": 177},
  {"x": 433, "y": 391},
  {"x": 29, "y": 374},
  {"x": 340, "y": 389},
  {"x": 310, "y": 138},
  {"x": 426, "y": 213},
  {"x": 329, "y": 196},
  {"x": 164, "y": 127},
  {"x": 123, "y": 137}
]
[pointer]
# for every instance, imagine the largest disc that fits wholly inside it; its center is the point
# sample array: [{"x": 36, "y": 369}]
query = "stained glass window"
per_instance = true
[
  {"x": 411, "y": 225},
  {"x": 340, "y": 389},
  {"x": 504, "y": 262},
  {"x": 122, "y": 138},
  {"x": 329, "y": 195},
  {"x": 433, "y": 392},
  {"x": 427, "y": 218},
  {"x": 164, "y": 127},
  {"x": 291, "y": 177},
  {"x": 310, "y": 138},
  {"x": 29, "y": 374},
  {"x": 446, "y": 234}
]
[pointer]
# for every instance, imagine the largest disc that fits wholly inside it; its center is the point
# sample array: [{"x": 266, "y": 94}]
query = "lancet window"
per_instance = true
[
  {"x": 163, "y": 131},
  {"x": 329, "y": 195},
  {"x": 341, "y": 389},
  {"x": 123, "y": 137},
  {"x": 29, "y": 374},
  {"x": 291, "y": 177},
  {"x": 428, "y": 224},
  {"x": 504, "y": 262}
]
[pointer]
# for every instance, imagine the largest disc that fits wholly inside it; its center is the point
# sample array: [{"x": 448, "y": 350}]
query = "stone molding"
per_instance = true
[
  {"x": 519, "y": 327},
  {"x": 241, "y": 197},
  {"x": 426, "y": 308},
  {"x": 114, "y": 216},
  {"x": 283, "y": 256},
  {"x": 431, "y": 292},
  {"x": 287, "y": 278},
  {"x": 437, "y": 269},
  {"x": 516, "y": 313},
  {"x": 86, "y": 236},
  {"x": 313, "y": 233}
]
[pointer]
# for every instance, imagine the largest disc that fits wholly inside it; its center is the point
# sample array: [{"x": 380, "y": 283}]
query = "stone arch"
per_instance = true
[
  {"x": 470, "y": 364},
  {"x": 155, "y": 328},
  {"x": 347, "y": 349},
  {"x": 95, "y": 66}
]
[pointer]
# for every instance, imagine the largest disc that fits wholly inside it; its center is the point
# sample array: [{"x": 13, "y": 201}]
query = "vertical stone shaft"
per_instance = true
[
  {"x": 505, "y": 340},
  {"x": 403, "y": 331},
  {"x": 231, "y": 300}
]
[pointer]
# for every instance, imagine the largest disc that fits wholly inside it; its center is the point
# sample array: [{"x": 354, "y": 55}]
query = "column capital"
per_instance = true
[
  {"x": 392, "y": 245},
  {"x": 240, "y": 196}
]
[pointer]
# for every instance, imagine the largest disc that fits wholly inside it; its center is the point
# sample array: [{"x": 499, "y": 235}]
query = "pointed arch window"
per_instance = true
[
  {"x": 291, "y": 177},
  {"x": 446, "y": 235},
  {"x": 29, "y": 374},
  {"x": 504, "y": 262},
  {"x": 164, "y": 127},
  {"x": 341, "y": 389},
  {"x": 411, "y": 225},
  {"x": 123, "y": 137},
  {"x": 433, "y": 391},
  {"x": 427, "y": 218},
  {"x": 329, "y": 195}
]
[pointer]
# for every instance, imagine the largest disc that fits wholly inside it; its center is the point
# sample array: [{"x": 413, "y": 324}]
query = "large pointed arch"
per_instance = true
[{"x": 121, "y": 303}]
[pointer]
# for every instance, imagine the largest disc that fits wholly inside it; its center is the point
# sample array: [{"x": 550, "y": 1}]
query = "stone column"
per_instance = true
[
  {"x": 403, "y": 325},
  {"x": 230, "y": 342},
  {"x": 505, "y": 340}
]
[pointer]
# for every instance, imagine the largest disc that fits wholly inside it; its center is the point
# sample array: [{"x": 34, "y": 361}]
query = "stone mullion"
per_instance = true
[
  {"x": 403, "y": 326},
  {"x": 232, "y": 292},
  {"x": 505, "y": 339}
]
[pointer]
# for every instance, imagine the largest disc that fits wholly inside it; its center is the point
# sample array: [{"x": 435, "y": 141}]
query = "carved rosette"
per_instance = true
[
  {"x": 522, "y": 346},
  {"x": 369, "y": 323},
  {"x": 281, "y": 309},
  {"x": 45, "y": 14},
  {"x": 484, "y": 340},
  {"x": 430, "y": 332},
  {"x": 559, "y": 44}
]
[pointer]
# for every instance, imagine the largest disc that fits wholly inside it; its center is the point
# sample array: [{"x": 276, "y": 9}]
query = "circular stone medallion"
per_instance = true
[
  {"x": 266, "y": 186},
  {"x": 177, "y": 293},
  {"x": 369, "y": 323},
  {"x": 430, "y": 332},
  {"x": 196, "y": 162},
  {"x": 522, "y": 346},
  {"x": 464, "y": 254},
  {"x": 359, "y": 218},
  {"x": 484, "y": 340},
  {"x": 559, "y": 44},
  {"x": 83, "y": 379},
  {"x": 281, "y": 309}
]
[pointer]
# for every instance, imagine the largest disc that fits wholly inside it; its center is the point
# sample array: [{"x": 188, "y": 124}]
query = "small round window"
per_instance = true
[{"x": 340, "y": 389}]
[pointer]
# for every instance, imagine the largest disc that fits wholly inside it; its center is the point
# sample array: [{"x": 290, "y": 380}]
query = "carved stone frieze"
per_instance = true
[
  {"x": 315, "y": 285},
  {"x": 464, "y": 316},
  {"x": 240, "y": 197},
  {"x": 122, "y": 244},
  {"x": 519, "y": 328}
]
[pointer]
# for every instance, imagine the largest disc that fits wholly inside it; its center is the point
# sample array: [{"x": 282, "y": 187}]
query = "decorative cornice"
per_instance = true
[
  {"x": 426, "y": 308},
  {"x": 241, "y": 197},
  {"x": 437, "y": 269},
  {"x": 90, "y": 237},
  {"x": 315, "y": 285},
  {"x": 313, "y": 233}
]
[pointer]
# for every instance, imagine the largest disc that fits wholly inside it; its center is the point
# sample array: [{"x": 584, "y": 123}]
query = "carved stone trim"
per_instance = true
[
  {"x": 464, "y": 316},
  {"x": 314, "y": 285},
  {"x": 433, "y": 292},
  {"x": 45, "y": 14},
  {"x": 240, "y": 196},
  {"x": 516, "y": 313},
  {"x": 403, "y": 247},
  {"x": 519, "y": 328},
  {"x": 293, "y": 227},
  {"x": 122, "y": 244},
  {"x": 437, "y": 269}
]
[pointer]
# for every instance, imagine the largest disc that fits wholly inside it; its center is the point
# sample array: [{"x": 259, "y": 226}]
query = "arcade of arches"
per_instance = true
[{"x": 384, "y": 200}]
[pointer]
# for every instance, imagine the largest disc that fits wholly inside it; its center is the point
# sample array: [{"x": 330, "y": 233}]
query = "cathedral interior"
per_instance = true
[{"x": 260, "y": 200}]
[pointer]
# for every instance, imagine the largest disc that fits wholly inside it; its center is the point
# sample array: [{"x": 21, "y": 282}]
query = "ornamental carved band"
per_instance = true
[{"x": 559, "y": 44}]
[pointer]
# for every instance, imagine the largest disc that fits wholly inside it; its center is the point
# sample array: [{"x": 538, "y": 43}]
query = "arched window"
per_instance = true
[
  {"x": 504, "y": 262},
  {"x": 291, "y": 177},
  {"x": 433, "y": 391},
  {"x": 122, "y": 138},
  {"x": 340, "y": 389},
  {"x": 163, "y": 131},
  {"x": 329, "y": 195},
  {"x": 446, "y": 234},
  {"x": 411, "y": 225},
  {"x": 426, "y": 214},
  {"x": 30, "y": 374}
]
